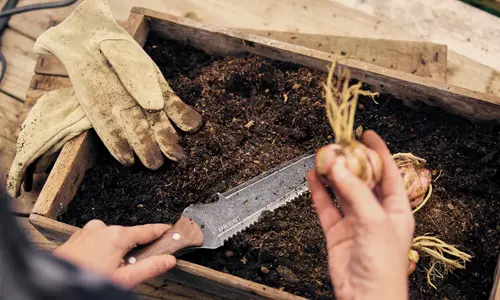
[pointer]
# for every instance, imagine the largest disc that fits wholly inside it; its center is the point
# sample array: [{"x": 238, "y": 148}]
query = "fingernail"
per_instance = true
[{"x": 339, "y": 170}]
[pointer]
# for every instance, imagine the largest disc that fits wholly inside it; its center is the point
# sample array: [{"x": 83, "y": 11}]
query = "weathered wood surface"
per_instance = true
[
  {"x": 466, "y": 30},
  {"x": 408, "y": 87},
  {"x": 185, "y": 281},
  {"x": 17, "y": 50},
  {"x": 68, "y": 171},
  {"x": 333, "y": 18},
  {"x": 419, "y": 58},
  {"x": 495, "y": 289},
  {"x": 10, "y": 109},
  {"x": 36, "y": 238}
]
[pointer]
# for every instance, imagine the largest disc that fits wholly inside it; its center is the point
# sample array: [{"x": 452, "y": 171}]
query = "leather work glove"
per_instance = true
[
  {"x": 54, "y": 119},
  {"x": 119, "y": 87}
]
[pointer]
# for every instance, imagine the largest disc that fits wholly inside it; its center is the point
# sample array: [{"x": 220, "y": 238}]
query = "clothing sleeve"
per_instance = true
[{"x": 27, "y": 273}]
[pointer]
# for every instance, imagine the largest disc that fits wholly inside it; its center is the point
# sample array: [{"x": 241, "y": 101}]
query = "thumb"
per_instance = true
[{"x": 137, "y": 273}]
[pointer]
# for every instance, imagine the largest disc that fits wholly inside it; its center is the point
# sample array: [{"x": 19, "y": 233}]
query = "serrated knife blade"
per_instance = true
[{"x": 210, "y": 225}]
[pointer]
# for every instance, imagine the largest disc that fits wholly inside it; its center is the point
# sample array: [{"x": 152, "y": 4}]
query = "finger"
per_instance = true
[
  {"x": 140, "y": 137},
  {"x": 327, "y": 213},
  {"x": 94, "y": 224},
  {"x": 143, "y": 234},
  {"x": 392, "y": 187},
  {"x": 127, "y": 57},
  {"x": 165, "y": 135},
  {"x": 134, "y": 274},
  {"x": 354, "y": 196},
  {"x": 183, "y": 115}
]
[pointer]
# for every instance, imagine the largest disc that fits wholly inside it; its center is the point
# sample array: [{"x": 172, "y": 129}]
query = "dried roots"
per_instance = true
[
  {"x": 444, "y": 257},
  {"x": 341, "y": 104}
]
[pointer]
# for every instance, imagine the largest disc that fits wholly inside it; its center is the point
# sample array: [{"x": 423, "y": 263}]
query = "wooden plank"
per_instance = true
[
  {"x": 466, "y": 30},
  {"x": 7, "y": 151},
  {"x": 17, "y": 50},
  {"x": 325, "y": 17},
  {"x": 10, "y": 109},
  {"x": 34, "y": 23},
  {"x": 495, "y": 289},
  {"x": 190, "y": 281},
  {"x": 420, "y": 58},
  {"x": 36, "y": 238},
  {"x": 68, "y": 171},
  {"x": 410, "y": 88}
]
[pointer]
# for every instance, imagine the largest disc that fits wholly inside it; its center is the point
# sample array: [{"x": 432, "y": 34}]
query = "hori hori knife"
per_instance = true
[{"x": 208, "y": 226}]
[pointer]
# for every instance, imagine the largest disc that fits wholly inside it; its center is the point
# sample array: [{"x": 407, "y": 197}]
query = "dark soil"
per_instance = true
[{"x": 284, "y": 103}]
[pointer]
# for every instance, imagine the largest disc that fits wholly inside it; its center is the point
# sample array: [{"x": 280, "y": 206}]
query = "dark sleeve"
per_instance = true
[{"x": 27, "y": 273}]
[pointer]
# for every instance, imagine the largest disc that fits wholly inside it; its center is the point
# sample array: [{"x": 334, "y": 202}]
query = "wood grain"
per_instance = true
[
  {"x": 466, "y": 30},
  {"x": 17, "y": 50},
  {"x": 407, "y": 87},
  {"x": 495, "y": 289},
  {"x": 419, "y": 58},
  {"x": 36, "y": 238},
  {"x": 10, "y": 109},
  {"x": 76, "y": 156}
]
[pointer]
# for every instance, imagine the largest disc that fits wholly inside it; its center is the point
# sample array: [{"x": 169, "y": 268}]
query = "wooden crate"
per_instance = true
[{"x": 188, "y": 280}]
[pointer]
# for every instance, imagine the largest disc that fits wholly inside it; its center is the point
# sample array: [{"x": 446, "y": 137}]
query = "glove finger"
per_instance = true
[
  {"x": 183, "y": 115},
  {"x": 56, "y": 116},
  {"x": 136, "y": 72},
  {"x": 165, "y": 135},
  {"x": 140, "y": 137}
]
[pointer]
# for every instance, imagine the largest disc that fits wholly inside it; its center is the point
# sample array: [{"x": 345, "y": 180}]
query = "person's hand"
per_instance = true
[
  {"x": 368, "y": 243},
  {"x": 99, "y": 248}
]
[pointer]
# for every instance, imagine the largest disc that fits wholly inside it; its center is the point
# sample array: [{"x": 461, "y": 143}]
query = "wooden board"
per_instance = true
[
  {"x": 466, "y": 30},
  {"x": 330, "y": 17},
  {"x": 185, "y": 281},
  {"x": 419, "y": 58},
  {"x": 495, "y": 289},
  {"x": 17, "y": 50},
  {"x": 10, "y": 109},
  {"x": 36, "y": 238},
  {"x": 408, "y": 87},
  {"x": 226, "y": 42}
]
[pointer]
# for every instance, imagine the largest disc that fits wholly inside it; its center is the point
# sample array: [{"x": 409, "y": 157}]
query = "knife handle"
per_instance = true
[{"x": 185, "y": 233}]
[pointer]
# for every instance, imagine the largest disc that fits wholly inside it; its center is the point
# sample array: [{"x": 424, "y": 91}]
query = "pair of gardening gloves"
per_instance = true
[{"x": 117, "y": 89}]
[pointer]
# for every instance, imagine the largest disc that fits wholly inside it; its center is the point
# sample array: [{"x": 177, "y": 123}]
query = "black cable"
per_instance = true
[
  {"x": 10, "y": 9},
  {"x": 26, "y": 8}
]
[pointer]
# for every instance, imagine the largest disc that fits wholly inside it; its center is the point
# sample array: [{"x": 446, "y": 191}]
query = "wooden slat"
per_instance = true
[
  {"x": 34, "y": 23},
  {"x": 419, "y": 58},
  {"x": 10, "y": 109},
  {"x": 17, "y": 50},
  {"x": 410, "y": 88},
  {"x": 36, "y": 238},
  {"x": 66, "y": 175},
  {"x": 332, "y": 18},
  {"x": 190, "y": 281},
  {"x": 7, "y": 150},
  {"x": 466, "y": 30},
  {"x": 495, "y": 289}
]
